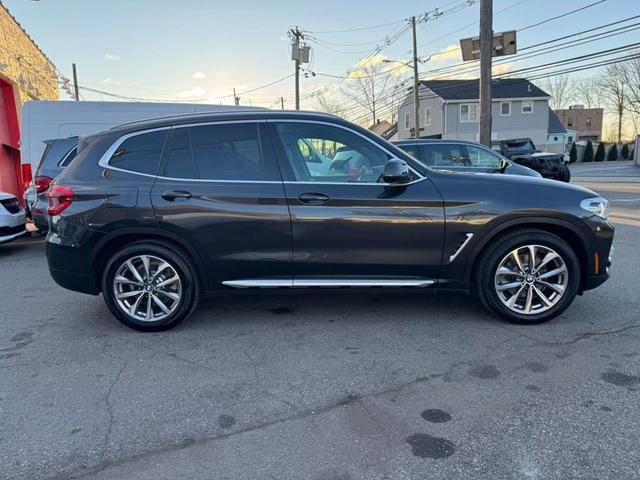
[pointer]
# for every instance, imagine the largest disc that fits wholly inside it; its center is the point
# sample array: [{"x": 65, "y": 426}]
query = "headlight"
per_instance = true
[{"x": 596, "y": 205}]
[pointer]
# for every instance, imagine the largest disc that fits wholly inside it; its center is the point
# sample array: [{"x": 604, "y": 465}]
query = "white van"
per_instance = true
[{"x": 47, "y": 120}]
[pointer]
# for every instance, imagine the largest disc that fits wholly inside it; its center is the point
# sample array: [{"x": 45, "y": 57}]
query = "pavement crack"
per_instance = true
[{"x": 109, "y": 409}]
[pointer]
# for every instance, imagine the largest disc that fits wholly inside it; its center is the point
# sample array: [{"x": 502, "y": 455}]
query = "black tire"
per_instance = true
[
  {"x": 565, "y": 174},
  {"x": 500, "y": 247},
  {"x": 179, "y": 261}
]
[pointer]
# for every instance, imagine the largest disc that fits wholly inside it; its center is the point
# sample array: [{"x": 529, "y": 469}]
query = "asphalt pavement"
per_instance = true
[{"x": 323, "y": 387}]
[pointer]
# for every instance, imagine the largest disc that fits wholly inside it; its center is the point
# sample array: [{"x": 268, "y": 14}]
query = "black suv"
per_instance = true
[
  {"x": 523, "y": 152},
  {"x": 156, "y": 214}
]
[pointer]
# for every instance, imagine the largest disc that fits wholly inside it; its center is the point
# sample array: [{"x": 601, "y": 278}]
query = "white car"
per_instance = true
[{"x": 11, "y": 218}]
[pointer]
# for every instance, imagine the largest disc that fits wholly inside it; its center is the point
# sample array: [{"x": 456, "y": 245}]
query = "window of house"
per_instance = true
[
  {"x": 427, "y": 116},
  {"x": 140, "y": 153},
  {"x": 468, "y": 112},
  {"x": 570, "y": 138},
  {"x": 527, "y": 106},
  {"x": 588, "y": 122},
  {"x": 505, "y": 109},
  {"x": 570, "y": 122},
  {"x": 407, "y": 125},
  {"x": 555, "y": 139}
]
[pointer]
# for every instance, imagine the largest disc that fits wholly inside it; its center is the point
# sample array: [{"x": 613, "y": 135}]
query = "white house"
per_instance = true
[{"x": 449, "y": 109}]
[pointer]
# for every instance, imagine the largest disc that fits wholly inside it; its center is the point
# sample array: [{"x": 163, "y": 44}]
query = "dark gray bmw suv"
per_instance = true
[{"x": 156, "y": 214}]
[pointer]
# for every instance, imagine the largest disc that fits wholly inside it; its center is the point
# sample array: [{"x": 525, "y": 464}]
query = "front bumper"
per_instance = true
[{"x": 601, "y": 252}]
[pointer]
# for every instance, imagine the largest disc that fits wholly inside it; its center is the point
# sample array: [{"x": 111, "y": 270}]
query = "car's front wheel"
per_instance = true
[
  {"x": 150, "y": 286},
  {"x": 565, "y": 174},
  {"x": 528, "y": 276}
]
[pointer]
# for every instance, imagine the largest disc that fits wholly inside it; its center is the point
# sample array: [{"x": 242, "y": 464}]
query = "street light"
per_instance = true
[{"x": 416, "y": 96}]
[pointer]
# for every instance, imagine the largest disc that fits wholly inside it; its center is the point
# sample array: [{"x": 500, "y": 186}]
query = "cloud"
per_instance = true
[
  {"x": 111, "y": 81},
  {"x": 199, "y": 75},
  {"x": 501, "y": 68},
  {"x": 450, "y": 52},
  {"x": 112, "y": 57},
  {"x": 194, "y": 92}
]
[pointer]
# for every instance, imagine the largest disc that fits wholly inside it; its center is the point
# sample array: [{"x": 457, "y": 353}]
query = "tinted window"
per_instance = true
[
  {"x": 481, "y": 158},
  {"x": 140, "y": 153},
  {"x": 324, "y": 153},
  {"x": 412, "y": 150},
  {"x": 180, "y": 163},
  {"x": 70, "y": 156},
  {"x": 444, "y": 155}
]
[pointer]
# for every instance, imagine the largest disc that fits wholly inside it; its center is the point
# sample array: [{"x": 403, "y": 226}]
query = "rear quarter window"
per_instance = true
[{"x": 140, "y": 153}]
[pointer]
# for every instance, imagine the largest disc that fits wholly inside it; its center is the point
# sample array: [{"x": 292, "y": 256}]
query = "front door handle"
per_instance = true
[
  {"x": 174, "y": 195},
  {"x": 313, "y": 198}
]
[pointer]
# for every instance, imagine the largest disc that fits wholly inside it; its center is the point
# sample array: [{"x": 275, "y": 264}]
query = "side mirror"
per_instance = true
[
  {"x": 396, "y": 171},
  {"x": 504, "y": 164}
]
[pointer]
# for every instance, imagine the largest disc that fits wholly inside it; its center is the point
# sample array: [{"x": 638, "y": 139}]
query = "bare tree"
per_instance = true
[
  {"x": 612, "y": 84},
  {"x": 329, "y": 102},
  {"x": 366, "y": 85},
  {"x": 561, "y": 89},
  {"x": 631, "y": 72},
  {"x": 587, "y": 92}
]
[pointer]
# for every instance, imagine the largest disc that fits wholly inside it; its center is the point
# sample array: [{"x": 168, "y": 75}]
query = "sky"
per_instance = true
[{"x": 198, "y": 50}]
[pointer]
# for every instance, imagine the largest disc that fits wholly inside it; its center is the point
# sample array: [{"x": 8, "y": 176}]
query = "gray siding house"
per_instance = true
[{"x": 449, "y": 109}]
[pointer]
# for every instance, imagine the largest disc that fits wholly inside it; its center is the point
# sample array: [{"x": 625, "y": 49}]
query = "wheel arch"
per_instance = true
[
  {"x": 567, "y": 231},
  {"x": 112, "y": 242}
]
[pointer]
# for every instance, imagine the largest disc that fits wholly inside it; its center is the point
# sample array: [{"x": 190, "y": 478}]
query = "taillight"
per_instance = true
[
  {"x": 26, "y": 175},
  {"x": 42, "y": 183},
  {"x": 59, "y": 198}
]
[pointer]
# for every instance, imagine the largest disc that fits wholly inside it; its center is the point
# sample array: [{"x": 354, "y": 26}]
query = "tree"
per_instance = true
[
  {"x": 329, "y": 103},
  {"x": 588, "y": 93},
  {"x": 631, "y": 73},
  {"x": 588, "y": 152},
  {"x": 625, "y": 152},
  {"x": 367, "y": 84},
  {"x": 612, "y": 154},
  {"x": 612, "y": 83},
  {"x": 561, "y": 90},
  {"x": 600, "y": 153},
  {"x": 573, "y": 154}
]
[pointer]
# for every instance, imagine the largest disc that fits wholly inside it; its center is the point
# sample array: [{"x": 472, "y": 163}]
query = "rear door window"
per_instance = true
[
  {"x": 444, "y": 155},
  {"x": 228, "y": 152},
  {"x": 140, "y": 153}
]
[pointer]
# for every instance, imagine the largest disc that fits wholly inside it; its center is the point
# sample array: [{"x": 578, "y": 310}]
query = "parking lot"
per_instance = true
[{"x": 325, "y": 387}]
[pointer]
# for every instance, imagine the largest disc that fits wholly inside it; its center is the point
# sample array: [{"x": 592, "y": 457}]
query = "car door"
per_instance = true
[
  {"x": 219, "y": 188},
  {"x": 348, "y": 227}
]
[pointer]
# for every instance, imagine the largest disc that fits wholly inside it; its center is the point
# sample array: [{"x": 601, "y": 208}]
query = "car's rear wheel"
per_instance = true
[
  {"x": 150, "y": 286},
  {"x": 528, "y": 276}
]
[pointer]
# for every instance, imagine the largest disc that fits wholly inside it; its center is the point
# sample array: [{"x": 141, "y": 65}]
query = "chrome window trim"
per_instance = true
[
  {"x": 66, "y": 155},
  {"x": 104, "y": 160},
  {"x": 415, "y": 172}
]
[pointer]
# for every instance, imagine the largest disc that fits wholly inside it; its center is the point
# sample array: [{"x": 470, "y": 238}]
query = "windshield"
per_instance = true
[{"x": 520, "y": 147}]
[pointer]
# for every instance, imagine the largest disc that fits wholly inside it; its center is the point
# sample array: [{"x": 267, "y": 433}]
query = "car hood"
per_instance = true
[{"x": 6, "y": 196}]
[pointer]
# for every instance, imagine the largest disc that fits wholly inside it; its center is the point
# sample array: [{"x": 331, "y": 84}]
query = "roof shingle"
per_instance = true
[{"x": 469, "y": 89}]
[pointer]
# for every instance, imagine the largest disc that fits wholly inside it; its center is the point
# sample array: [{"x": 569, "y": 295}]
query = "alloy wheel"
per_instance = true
[
  {"x": 147, "y": 288},
  {"x": 531, "y": 279}
]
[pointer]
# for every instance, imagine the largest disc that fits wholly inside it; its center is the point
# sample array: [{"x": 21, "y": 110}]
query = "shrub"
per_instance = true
[
  {"x": 573, "y": 154},
  {"x": 612, "y": 155},
  {"x": 625, "y": 152},
  {"x": 600, "y": 153},
  {"x": 588, "y": 152}
]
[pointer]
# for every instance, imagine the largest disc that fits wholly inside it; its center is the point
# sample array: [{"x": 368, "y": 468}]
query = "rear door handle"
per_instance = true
[
  {"x": 176, "y": 195},
  {"x": 313, "y": 198}
]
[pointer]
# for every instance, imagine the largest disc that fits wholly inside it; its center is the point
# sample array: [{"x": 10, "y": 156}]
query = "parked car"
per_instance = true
[
  {"x": 11, "y": 218},
  {"x": 57, "y": 155},
  {"x": 462, "y": 156},
  {"x": 523, "y": 152},
  {"x": 156, "y": 214}
]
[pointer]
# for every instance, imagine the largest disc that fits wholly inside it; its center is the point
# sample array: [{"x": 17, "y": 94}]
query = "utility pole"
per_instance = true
[
  {"x": 282, "y": 102},
  {"x": 76, "y": 91},
  {"x": 416, "y": 95},
  {"x": 486, "y": 54},
  {"x": 295, "y": 53},
  {"x": 236, "y": 99}
]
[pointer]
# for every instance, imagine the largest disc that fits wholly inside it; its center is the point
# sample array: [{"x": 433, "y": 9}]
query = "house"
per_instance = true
[
  {"x": 385, "y": 129},
  {"x": 449, "y": 109},
  {"x": 559, "y": 138},
  {"x": 587, "y": 122}
]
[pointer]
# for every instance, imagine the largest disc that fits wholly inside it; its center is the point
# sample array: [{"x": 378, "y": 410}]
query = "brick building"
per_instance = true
[
  {"x": 25, "y": 74},
  {"x": 587, "y": 122}
]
